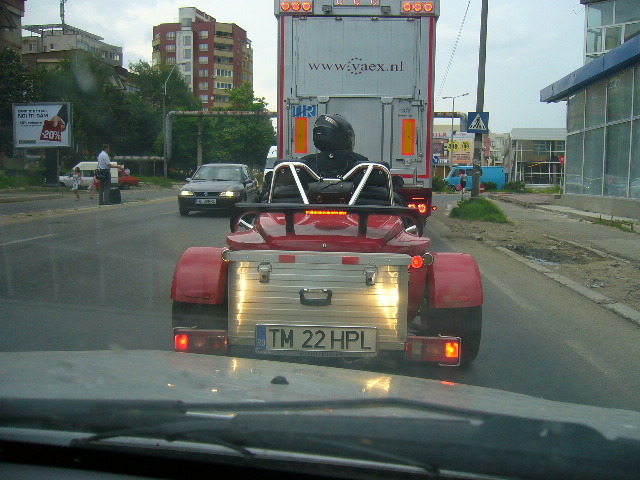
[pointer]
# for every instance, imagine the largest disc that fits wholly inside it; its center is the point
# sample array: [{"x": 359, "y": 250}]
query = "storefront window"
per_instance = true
[
  {"x": 573, "y": 164},
  {"x": 636, "y": 95},
  {"x": 617, "y": 160},
  {"x": 593, "y": 152},
  {"x": 627, "y": 11},
  {"x": 599, "y": 14},
  {"x": 619, "y": 96},
  {"x": 575, "y": 112},
  {"x": 595, "y": 108},
  {"x": 635, "y": 162}
]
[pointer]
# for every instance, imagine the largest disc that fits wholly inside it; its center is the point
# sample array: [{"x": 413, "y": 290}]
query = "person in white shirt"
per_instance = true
[{"x": 104, "y": 166}]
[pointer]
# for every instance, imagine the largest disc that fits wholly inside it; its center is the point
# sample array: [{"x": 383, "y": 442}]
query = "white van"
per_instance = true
[{"x": 88, "y": 170}]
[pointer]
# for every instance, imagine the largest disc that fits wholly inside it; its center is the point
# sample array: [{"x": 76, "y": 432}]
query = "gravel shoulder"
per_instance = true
[{"x": 563, "y": 245}]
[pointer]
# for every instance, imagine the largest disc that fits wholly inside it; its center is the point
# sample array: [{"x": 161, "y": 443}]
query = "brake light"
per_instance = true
[
  {"x": 326, "y": 212},
  {"x": 200, "y": 341},
  {"x": 443, "y": 350},
  {"x": 421, "y": 207}
]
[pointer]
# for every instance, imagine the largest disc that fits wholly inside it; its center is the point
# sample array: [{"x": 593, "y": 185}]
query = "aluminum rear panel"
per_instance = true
[{"x": 353, "y": 303}]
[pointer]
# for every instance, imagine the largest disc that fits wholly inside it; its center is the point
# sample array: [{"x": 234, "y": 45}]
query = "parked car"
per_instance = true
[
  {"x": 125, "y": 182},
  {"x": 217, "y": 186},
  {"x": 88, "y": 170}
]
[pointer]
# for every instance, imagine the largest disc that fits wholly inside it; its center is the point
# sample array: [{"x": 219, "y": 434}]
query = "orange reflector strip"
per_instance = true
[
  {"x": 409, "y": 136},
  {"x": 350, "y": 260},
  {"x": 287, "y": 259},
  {"x": 301, "y": 135},
  {"x": 325, "y": 212}
]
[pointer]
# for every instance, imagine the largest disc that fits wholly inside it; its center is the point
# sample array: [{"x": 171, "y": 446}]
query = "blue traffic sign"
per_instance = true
[
  {"x": 309, "y": 111},
  {"x": 478, "y": 122},
  {"x": 436, "y": 159}
]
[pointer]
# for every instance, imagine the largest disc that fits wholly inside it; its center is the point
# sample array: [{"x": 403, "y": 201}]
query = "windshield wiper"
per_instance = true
[{"x": 196, "y": 430}]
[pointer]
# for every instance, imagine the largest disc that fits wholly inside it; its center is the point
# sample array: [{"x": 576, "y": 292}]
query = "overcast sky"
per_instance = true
[{"x": 530, "y": 45}]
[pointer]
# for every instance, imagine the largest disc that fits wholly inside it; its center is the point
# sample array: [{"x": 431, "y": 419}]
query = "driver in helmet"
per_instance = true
[{"x": 334, "y": 137}]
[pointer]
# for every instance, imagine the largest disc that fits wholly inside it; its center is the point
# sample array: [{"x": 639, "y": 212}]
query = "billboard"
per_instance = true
[{"x": 41, "y": 125}]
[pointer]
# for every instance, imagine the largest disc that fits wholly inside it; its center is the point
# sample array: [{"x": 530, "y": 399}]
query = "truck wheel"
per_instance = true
[
  {"x": 465, "y": 323},
  {"x": 199, "y": 315}
]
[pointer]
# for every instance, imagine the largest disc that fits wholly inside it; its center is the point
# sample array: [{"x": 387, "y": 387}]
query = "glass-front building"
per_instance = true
[
  {"x": 537, "y": 155},
  {"x": 609, "y": 24},
  {"x": 603, "y": 124}
]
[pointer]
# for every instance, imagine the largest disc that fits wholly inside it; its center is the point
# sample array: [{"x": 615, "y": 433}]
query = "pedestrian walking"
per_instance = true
[
  {"x": 463, "y": 181},
  {"x": 104, "y": 172},
  {"x": 95, "y": 185},
  {"x": 77, "y": 181}
]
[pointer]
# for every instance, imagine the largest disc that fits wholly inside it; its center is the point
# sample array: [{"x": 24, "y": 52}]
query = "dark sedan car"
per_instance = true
[{"x": 217, "y": 186}]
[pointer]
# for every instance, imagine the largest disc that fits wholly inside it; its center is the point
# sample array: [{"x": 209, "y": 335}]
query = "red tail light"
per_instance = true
[
  {"x": 442, "y": 350},
  {"x": 213, "y": 342}
]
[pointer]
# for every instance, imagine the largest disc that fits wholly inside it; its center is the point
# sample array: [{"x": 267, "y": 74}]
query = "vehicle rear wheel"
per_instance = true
[
  {"x": 199, "y": 315},
  {"x": 465, "y": 323}
]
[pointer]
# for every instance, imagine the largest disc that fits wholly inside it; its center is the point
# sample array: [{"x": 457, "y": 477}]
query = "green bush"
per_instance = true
[
  {"x": 439, "y": 184},
  {"x": 158, "y": 181},
  {"x": 479, "y": 209},
  {"x": 21, "y": 178},
  {"x": 490, "y": 186},
  {"x": 517, "y": 186}
]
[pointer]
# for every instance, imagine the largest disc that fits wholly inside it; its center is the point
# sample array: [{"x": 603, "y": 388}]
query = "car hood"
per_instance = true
[
  {"x": 156, "y": 375},
  {"x": 213, "y": 186}
]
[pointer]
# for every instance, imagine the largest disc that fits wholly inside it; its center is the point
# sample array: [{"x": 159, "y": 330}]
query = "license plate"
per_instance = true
[
  {"x": 205, "y": 201},
  {"x": 315, "y": 340}
]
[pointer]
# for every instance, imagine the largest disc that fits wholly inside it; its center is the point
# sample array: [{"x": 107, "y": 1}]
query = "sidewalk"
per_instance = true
[{"x": 586, "y": 231}]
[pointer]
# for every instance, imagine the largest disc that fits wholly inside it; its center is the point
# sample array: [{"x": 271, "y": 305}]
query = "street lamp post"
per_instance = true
[
  {"x": 164, "y": 119},
  {"x": 453, "y": 111}
]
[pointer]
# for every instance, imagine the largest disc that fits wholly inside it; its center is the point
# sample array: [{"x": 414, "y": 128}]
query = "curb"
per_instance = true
[
  {"x": 620, "y": 309},
  {"x": 29, "y": 197},
  {"x": 602, "y": 300}
]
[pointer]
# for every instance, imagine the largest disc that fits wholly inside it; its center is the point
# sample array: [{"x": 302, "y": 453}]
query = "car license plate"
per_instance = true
[
  {"x": 205, "y": 201},
  {"x": 315, "y": 340}
]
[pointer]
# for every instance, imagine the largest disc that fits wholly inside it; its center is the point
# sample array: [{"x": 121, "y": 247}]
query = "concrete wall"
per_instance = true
[{"x": 618, "y": 207}]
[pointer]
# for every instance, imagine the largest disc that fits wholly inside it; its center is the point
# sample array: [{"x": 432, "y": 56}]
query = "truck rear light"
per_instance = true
[
  {"x": 442, "y": 350},
  {"x": 213, "y": 342},
  {"x": 418, "y": 7}
]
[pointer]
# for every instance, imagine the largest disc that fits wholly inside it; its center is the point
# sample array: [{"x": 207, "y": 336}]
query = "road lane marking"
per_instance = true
[{"x": 28, "y": 239}]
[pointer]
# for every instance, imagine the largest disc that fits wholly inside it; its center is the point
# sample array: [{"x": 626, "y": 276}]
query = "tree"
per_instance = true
[
  {"x": 16, "y": 86},
  {"x": 243, "y": 139}
]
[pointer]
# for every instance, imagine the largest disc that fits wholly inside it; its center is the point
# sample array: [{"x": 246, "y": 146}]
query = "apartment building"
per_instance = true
[{"x": 212, "y": 56}]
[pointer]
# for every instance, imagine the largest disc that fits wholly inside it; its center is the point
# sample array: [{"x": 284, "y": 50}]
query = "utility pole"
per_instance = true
[{"x": 477, "y": 142}]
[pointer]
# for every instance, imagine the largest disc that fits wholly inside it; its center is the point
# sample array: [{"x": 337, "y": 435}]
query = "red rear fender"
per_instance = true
[
  {"x": 200, "y": 276},
  {"x": 454, "y": 281}
]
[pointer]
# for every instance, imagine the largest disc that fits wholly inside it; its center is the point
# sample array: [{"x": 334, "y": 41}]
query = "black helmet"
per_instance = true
[{"x": 333, "y": 132}]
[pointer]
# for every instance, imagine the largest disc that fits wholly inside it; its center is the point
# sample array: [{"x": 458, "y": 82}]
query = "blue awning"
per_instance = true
[{"x": 618, "y": 59}]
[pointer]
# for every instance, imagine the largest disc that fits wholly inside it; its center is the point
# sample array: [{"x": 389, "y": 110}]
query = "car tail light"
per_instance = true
[
  {"x": 213, "y": 342},
  {"x": 442, "y": 350}
]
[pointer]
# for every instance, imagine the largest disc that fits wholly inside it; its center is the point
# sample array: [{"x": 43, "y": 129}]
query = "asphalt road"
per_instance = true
[{"x": 75, "y": 276}]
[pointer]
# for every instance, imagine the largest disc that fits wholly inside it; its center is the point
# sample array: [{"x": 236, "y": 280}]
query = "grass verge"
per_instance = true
[{"x": 479, "y": 209}]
